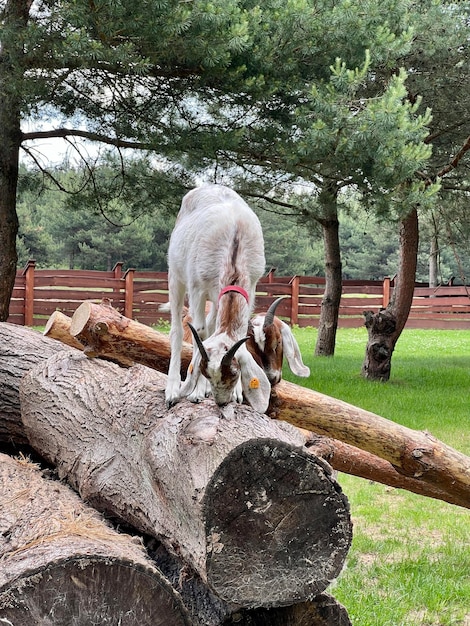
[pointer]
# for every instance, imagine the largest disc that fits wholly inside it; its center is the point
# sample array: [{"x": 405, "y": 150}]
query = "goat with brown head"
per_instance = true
[{"x": 270, "y": 340}]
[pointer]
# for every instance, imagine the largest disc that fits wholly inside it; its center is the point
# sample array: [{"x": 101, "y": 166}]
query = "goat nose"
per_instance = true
[{"x": 274, "y": 378}]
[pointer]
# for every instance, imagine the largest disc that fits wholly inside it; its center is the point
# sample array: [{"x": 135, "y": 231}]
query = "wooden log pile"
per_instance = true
[
  {"x": 58, "y": 554},
  {"x": 246, "y": 524},
  {"x": 358, "y": 441},
  {"x": 242, "y": 518}
]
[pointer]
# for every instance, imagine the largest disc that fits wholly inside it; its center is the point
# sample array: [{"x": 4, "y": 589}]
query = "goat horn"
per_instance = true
[
  {"x": 197, "y": 339},
  {"x": 269, "y": 317},
  {"x": 228, "y": 356}
]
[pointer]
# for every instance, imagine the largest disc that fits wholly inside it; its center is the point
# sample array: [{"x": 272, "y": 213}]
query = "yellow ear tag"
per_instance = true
[
  {"x": 190, "y": 368},
  {"x": 254, "y": 383}
]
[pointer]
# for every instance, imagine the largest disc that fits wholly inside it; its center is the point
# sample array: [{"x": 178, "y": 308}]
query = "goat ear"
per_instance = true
[
  {"x": 292, "y": 352},
  {"x": 255, "y": 383}
]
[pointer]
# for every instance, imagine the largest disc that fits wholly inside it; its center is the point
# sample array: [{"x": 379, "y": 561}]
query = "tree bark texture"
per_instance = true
[
  {"x": 341, "y": 426},
  {"x": 20, "y": 349},
  {"x": 234, "y": 493},
  {"x": 384, "y": 328},
  {"x": 62, "y": 564},
  {"x": 14, "y": 16},
  {"x": 328, "y": 323}
]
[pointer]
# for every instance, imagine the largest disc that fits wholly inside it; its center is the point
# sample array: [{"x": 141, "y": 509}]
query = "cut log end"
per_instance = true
[
  {"x": 61, "y": 563},
  {"x": 58, "y": 327},
  {"x": 324, "y": 610},
  {"x": 91, "y": 590},
  {"x": 268, "y": 510}
]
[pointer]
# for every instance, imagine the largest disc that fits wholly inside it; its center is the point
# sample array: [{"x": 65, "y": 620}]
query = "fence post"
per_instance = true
[
  {"x": 385, "y": 292},
  {"x": 129, "y": 292},
  {"x": 270, "y": 275},
  {"x": 28, "y": 273},
  {"x": 294, "y": 302},
  {"x": 117, "y": 276},
  {"x": 117, "y": 269}
]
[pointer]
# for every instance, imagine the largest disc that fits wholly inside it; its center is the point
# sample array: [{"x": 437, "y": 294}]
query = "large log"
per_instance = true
[
  {"x": 62, "y": 564},
  {"x": 235, "y": 494},
  {"x": 428, "y": 466}
]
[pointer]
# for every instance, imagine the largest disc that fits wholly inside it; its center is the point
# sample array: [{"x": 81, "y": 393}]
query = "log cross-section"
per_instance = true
[{"x": 61, "y": 563}]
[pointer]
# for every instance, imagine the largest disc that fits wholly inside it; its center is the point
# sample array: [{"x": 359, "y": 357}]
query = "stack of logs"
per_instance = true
[{"x": 194, "y": 515}]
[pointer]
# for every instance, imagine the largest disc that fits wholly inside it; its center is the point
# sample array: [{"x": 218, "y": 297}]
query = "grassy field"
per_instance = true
[{"x": 409, "y": 564}]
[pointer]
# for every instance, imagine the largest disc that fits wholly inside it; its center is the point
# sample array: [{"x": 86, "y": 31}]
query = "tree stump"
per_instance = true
[
  {"x": 234, "y": 493},
  {"x": 62, "y": 564}
]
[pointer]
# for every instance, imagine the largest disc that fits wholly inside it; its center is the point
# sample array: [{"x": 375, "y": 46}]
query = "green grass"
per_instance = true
[{"x": 409, "y": 564}]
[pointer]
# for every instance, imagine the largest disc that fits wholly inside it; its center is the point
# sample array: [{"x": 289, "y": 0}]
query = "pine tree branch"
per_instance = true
[
  {"x": 91, "y": 136},
  {"x": 452, "y": 165}
]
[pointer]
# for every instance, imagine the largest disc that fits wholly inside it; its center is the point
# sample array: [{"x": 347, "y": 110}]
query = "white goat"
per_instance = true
[{"x": 216, "y": 253}]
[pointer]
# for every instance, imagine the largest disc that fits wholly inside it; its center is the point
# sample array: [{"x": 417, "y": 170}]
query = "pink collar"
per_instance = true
[{"x": 237, "y": 289}]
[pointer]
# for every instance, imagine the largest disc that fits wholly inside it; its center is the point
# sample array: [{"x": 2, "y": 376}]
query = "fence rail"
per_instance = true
[{"x": 38, "y": 293}]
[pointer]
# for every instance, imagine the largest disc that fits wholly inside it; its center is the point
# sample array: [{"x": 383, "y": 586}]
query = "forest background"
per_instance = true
[{"x": 70, "y": 231}]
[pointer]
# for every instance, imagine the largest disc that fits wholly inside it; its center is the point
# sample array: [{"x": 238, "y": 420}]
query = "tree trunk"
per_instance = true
[
  {"x": 62, "y": 564},
  {"x": 328, "y": 323},
  {"x": 384, "y": 328},
  {"x": 366, "y": 458},
  {"x": 15, "y": 16},
  {"x": 238, "y": 509}
]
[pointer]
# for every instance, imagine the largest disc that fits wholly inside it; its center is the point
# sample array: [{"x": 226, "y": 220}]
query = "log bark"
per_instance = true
[
  {"x": 20, "y": 349},
  {"x": 62, "y": 564},
  {"x": 106, "y": 333},
  {"x": 428, "y": 465},
  {"x": 23, "y": 347},
  {"x": 235, "y": 494}
]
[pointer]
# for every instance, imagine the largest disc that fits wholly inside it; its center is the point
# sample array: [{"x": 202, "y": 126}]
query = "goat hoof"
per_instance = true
[{"x": 171, "y": 403}]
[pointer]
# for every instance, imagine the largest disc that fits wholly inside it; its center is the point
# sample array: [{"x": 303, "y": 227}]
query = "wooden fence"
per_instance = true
[{"x": 38, "y": 293}]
